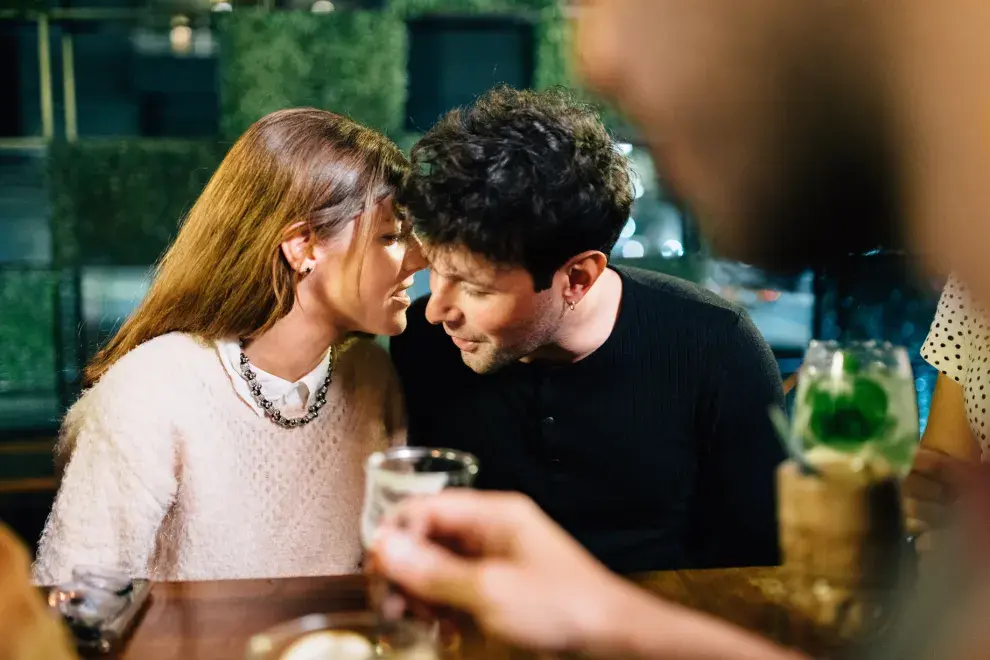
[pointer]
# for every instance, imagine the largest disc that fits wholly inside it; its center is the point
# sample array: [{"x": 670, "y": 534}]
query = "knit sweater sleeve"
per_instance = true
[
  {"x": 119, "y": 477},
  {"x": 393, "y": 401}
]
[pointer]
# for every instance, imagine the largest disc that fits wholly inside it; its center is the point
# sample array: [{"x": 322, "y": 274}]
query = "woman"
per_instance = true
[
  {"x": 228, "y": 420},
  {"x": 957, "y": 431}
]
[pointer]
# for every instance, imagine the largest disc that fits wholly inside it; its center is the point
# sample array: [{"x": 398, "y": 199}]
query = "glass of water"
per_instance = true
[
  {"x": 400, "y": 472},
  {"x": 392, "y": 476}
]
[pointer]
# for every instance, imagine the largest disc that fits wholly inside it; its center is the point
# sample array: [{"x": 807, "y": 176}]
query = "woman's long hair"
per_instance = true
[{"x": 225, "y": 275}]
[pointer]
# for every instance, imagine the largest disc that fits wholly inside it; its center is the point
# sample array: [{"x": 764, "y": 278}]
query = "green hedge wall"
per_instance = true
[
  {"x": 27, "y": 331},
  {"x": 353, "y": 63},
  {"x": 119, "y": 202},
  {"x": 413, "y": 7}
]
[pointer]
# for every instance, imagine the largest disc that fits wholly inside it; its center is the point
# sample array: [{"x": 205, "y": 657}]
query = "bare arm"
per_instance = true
[
  {"x": 638, "y": 625},
  {"x": 948, "y": 429},
  {"x": 948, "y": 441}
]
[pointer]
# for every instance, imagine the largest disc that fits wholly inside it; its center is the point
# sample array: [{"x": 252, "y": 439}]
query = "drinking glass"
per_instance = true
[
  {"x": 400, "y": 472},
  {"x": 392, "y": 476},
  {"x": 856, "y": 408},
  {"x": 344, "y": 636},
  {"x": 105, "y": 578},
  {"x": 842, "y": 533}
]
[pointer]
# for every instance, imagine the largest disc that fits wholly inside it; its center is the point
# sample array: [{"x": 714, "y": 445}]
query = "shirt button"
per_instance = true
[{"x": 548, "y": 421}]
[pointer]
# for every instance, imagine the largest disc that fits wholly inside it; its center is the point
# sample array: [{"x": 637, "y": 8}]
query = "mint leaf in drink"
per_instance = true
[
  {"x": 850, "y": 363},
  {"x": 845, "y": 416}
]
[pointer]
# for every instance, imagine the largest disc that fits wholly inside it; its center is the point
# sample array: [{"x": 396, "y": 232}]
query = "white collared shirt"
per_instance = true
[{"x": 290, "y": 399}]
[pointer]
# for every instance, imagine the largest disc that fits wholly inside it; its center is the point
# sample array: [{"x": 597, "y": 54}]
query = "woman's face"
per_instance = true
[{"x": 364, "y": 289}]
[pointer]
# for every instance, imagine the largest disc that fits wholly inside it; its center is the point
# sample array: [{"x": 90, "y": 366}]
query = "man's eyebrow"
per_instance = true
[{"x": 459, "y": 276}]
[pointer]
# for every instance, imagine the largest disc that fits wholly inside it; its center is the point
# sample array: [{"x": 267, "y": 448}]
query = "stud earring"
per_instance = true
[
  {"x": 571, "y": 304},
  {"x": 307, "y": 270}
]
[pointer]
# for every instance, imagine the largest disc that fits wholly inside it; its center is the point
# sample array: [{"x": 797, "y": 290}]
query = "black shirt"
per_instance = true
[{"x": 655, "y": 451}]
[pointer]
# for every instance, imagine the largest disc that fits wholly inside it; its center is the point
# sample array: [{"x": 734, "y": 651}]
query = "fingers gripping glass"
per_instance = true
[{"x": 401, "y": 472}]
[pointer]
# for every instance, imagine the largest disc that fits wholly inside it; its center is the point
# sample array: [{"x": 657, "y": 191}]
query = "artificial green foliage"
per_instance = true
[
  {"x": 119, "y": 202},
  {"x": 414, "y": 7},
  {"x": 555, "y": 66},
  {"x": 352, "y": 62},
  {"x": 27, "y": 331},
  {"x": 554, "y": 52}
]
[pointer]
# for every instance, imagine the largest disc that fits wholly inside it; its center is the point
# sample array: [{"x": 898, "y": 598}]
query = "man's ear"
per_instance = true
[{"x": 581, "y": 273}]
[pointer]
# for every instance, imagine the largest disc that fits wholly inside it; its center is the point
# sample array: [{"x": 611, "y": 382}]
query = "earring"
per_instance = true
[
  {"x": 571, "y": 304},
  {"x": 307, "y": 270}
]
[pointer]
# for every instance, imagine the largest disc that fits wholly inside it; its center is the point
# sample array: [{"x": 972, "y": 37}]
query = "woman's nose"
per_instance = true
[{"x": 414, "y": 259}]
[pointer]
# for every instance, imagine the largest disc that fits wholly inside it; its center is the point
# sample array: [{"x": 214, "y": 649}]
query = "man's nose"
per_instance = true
[{"x": 439, "y": 308}]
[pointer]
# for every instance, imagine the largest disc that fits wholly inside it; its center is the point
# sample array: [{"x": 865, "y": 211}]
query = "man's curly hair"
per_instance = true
[{"x": 522, "y": 178}]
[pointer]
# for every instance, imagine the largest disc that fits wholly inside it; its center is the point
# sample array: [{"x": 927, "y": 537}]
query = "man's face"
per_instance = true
[
  {"x": 492, "y": 314},
  {"x": 761, "y": 115}
]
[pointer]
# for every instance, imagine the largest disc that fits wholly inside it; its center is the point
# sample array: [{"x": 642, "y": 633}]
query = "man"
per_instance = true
[
  {"x": 789, "y": 127},
  {"x": 631, "y": 406}
]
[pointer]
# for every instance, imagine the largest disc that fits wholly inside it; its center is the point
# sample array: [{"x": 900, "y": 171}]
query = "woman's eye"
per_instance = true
[{"x": 390, "y": 239}]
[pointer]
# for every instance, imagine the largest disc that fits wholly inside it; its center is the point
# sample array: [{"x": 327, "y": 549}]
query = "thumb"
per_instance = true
[{"x": 427, "y": 571}]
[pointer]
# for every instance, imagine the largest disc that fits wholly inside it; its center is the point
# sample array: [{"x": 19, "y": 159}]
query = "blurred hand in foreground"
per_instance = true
[
  {"x": 499, "y": 558},
  {"x": 28, "y": 631}
]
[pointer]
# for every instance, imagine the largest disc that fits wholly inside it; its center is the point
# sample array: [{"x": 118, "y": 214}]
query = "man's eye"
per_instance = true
[{"x": 475, "y": 293}]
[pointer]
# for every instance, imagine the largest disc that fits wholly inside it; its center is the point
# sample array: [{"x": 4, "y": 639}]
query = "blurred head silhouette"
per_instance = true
[{"x": 800, "y": 132}]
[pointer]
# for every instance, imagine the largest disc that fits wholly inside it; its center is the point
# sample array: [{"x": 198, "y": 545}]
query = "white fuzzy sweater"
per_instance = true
[{"x": 172, "y": 476}]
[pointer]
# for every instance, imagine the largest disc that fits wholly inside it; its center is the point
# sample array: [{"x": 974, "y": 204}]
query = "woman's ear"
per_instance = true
[{"x": 298, "y": 248}]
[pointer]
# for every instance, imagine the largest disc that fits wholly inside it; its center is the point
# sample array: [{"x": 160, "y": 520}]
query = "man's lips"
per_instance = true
[{"x": 464, "y": 344}]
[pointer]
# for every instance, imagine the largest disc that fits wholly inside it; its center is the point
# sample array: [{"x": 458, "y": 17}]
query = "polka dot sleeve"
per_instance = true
[{"x": 949, "y": 342}]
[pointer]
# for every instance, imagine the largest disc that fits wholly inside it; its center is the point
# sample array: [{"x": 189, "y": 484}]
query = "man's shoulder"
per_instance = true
[{"x": 673, "y": 294}]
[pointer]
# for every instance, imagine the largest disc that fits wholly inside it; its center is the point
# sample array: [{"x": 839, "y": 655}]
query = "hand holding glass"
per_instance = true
[{"x": 394, "y": 475}]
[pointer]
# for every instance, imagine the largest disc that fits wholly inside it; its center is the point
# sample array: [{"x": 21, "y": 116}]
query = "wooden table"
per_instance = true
[{"x": 214, "y": 620}]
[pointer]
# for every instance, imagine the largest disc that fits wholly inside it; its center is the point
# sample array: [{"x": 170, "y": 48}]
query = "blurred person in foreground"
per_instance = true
[
  {"x": 225, "y": 427},
  {"x": 620, "y": 400},
  {"x": 28, "y": 629},
  {"x": 797, "y": 132}
]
